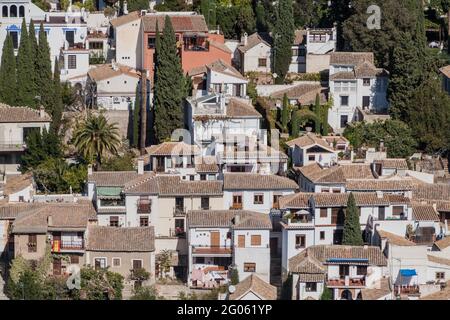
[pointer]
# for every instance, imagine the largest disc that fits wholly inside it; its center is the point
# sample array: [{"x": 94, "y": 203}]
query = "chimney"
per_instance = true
[
  {"x": 66, "y": 18},
  {"x": 89, "y": 169},
  {"x": 125, "y": 7},
  {"x": 41, "y": 112},
  {"x": 140, "y": 165},
  {"x": 366, "y": 247},
  {"x": 381, "y": 145},
  {"x": 244, "y": 39},
  {"x": 237, "y": 219},
  {"x": 47, "y": 17},
  {"x": 49, "y": 221},
  {"x": 379, "y": 194}
]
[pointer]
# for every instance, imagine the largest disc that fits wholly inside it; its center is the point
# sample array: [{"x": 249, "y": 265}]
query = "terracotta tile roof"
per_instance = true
[
  {"x": 381, "y": 289},
  {"x": 380, "y": 185},
  {"x": 143, "y": 184},
  {"x": 445, "y": 71},
  {"x": 220, "y": 46},
  {"x": 351, "y": 58},
  {"x": 17, "y": 182},
  {"x": 10, "y": 114},
  {"x": 237, "y": 108},
  {"x": 255, "y": 39},
  {"x": 443, "y": 243},
  {"x": 180, "y": 23},
  {"x": 433, "y": 191},
  {"x": 424, "y": 213},
  {"x": 223, "y": 67},
  {"x": 137, "y": 239},
  {"x": 254, "y": 284},
  {"x": 336, "y": 174},
  {"x": 439, "y": 260},
  {"x": 397, "y": 199},
  {"x": 207, "y": 165},
  {"x": 322, "y": 253},
  {"x": 295, "y": 201},
  {"x": 106, "y": 71},
  {"x": 304, "y": 93},
  {"x": 366, "y": 69},
  {"x": 174, "y": 186},
  {"x": 254, "y": 181},
  {"x": 395, "y": 239},
  {"x": 309, "y": 140},
  {"x": 308, "y": 268},
  {"x": 440, "y": 295},
  {"x": 173, "y": 148},
  {"x": 393, "y": 163},
  {"x": 11, "y": 211},
  {"x": 343, "y": 75},
  {"x": 236, "y": 219},
  {"x": 64, "y": 216},
  {"x": 112, "y": 178},
  {"x": 132, "y": 16}
]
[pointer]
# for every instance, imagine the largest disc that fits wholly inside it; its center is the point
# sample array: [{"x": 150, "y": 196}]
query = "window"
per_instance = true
[
  {"x": 137, "y": 264},
  {"x": 74, "y": 259},
  {"x": 337, "y": 216},
  {"x": 15, "y": 39},
  {"x": 13, "y": 11},
  {"x": 143, "y": 221},
  {"x": 249, "y": 267},
  {"x": 258, "y": 199},
  {"x": 255, "y": 240},
  {"x": 205, "y": 203},
  {"x": 237, "y": 202},
  {"x": 323, "y": 212},
  {"x": 114, "y": 221},
  {"x": 116, "y": 262},
  {"x": 344, "y": 101},
  {"x": 311, "y": 158},
  {"x": 151, "y": 42},
  {"x": 366, "y": 82},
  {"x": 241, "y": 241},
  {"x": 300, "y": 241},
  {"x": 4, "y": 11},
  {"x": 96, "y": 45},
  {"x": 440, "y": 276},
  {"x": 336, "y": 190},
  {"x": 203, "y": 177},
  {"x": 179, "y": 227},
  {"x": 276, "y": 198},
  {"x": 70, "y": 37},
  {"x": 99, "y": 263},
  {"x": 72, "y": 61},
  {"x": 322, "y": 235},
  {"x": 397, "y": 210},
  {"x": 366, "y": 102},
  {"x": 21, "y": 199},
  {"x": 179, "y": 203},
  {"x": 262, "y": 62},
  {"x": 311, "y": 286},
  {"x": 21, "y": 11},
  {"x": 32, "y": 243},
  {"x": 344, "y": 86},
  {"x": 361, "y": 270},
  {"x": 344, "y": 121}
]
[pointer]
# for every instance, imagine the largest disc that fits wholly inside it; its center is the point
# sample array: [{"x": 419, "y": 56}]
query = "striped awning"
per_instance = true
[{"x": 109, "y": 192}]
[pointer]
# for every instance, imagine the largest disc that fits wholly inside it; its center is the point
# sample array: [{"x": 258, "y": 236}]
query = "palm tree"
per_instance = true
[{"x": 95, "y": 136}]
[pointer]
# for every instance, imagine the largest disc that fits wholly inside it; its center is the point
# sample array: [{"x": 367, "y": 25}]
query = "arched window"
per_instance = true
[
  {"x": 13, "y": 11},
  {"x": 4, "y": 11},
  {"x": 21, "y": 11}
]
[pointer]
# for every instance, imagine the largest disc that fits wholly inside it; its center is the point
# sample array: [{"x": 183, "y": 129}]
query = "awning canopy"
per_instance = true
[
  {"x": 109, "y": 192},
  {"x": 194, "y": 34},
  {"x": 408, "y": 272}
]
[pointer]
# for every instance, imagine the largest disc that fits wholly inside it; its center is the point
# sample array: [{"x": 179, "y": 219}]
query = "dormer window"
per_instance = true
[{"x": 366, "y": 82}]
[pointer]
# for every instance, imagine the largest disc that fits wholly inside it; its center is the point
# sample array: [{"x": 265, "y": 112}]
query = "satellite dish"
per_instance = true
[{"x": 231, "y": 289}]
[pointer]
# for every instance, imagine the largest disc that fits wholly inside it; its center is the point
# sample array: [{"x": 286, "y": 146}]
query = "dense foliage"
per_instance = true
[{"x": 352, "y": 234}]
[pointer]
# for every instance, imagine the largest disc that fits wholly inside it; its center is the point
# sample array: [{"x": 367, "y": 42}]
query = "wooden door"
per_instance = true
[
  {"x": 215, "y": 239},
  {"x": 241, "y": 241}
]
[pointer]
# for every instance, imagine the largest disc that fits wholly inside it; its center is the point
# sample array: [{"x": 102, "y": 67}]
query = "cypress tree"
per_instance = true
[
  {"x": 33, "y": 55},
  {"x": 8, "y": 80},
  {"x": 24, "y": 69},
  {"x": 44, "y": 71},
  {"x": 285, "y": 113},
  {"x": 34, "y": 153},
  {"x": 136, "y": 113},
  {"x": 352, "y": 230},
  {"x": 169, "y": 89},
  {"x": 283, "y": 39},
  {"x": 295, "y": 124},
  {"x": 57, "y": 104},
  {"x": 318, "y": 112}
]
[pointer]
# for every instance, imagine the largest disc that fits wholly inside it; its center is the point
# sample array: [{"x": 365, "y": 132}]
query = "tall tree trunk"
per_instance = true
[{"x": 143, "y": 111}]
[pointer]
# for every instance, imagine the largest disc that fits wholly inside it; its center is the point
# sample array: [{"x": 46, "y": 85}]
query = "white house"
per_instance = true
[
  {"x": 16, "y": 123},
  {"x": 254, "y": 53},
  {"x": 18, "y": 188},
  {"x": 221, "y": 240},
  {"x": 218, "y": 77},
  {"x": 126, "y": 41},
  {"x": 354, "y": 83},
  {"x": 311, "y": 148},
  {"x": 346, "y": 270},
  {"x": 65, "y": 30}
]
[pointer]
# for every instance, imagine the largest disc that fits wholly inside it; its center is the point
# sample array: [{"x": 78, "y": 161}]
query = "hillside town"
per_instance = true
[{"x": 224, "y": 150}]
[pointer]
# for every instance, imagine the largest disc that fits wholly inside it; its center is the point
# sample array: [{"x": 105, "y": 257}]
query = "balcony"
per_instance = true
[
  {"x": 346, "y": 282},
  {"x": 212, "y": 251},
  {"x": 144, "y": 207},
  {"x": 408, "y": 290},
  {"x": 67, "y": 245},
  {"x": 12, "y": 146},
  {"x": 179, "y": 211},
  {"x": 236, "y": 206},
  {"x": 178, "y": 232}
]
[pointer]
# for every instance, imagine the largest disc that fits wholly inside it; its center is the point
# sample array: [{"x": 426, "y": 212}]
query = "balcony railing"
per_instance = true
[
  {"x": 179, "y": 211},
  {"x": 58, "y": 245},
  {"x": 13, "y": 146},
  {"x": 212, "y": 250},
  {"x": 178, "y": 232},
  {"x": 413, "y": 290},
  {"x": 236, "y": 206},
  {"x": 347, "y": 282},
  {"x": 144, "y": 207}
]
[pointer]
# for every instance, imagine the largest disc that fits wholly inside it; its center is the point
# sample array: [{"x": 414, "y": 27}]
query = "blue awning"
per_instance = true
[{"x": 408, "y": 272}]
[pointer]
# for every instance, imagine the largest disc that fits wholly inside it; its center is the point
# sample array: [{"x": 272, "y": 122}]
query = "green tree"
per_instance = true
[
  {"x": 57, "y": 103},
  {"x": 119, "y": 163},
  {"x": 318, "y": 111},
  {"x": 208, "y": 10},
  {"x": 234, "y": 276},
  {"x": 169, "y": 86},
  {"x": 145, "y": 293},
  {"x": 136, "y": 117},
  {"x": 44, "y": 71},
  {"x": 25, "y": 68},
  {"x": 352, "y": 234},
  {"x": 295, "y": 124},
  {"x": 137, "y": 5},
  {"x": 95, "y": 136},
  {"x": 28, "y": 287},
  {"x": 8, "y": 78},
  {"x": 261, "y": 22},
  {"x": 283, "y": 39},
  {"x": 327, "y": 294},
  {"x": 311, "y": 13},
  {"x": 34, "y": 153},
  {"x": 33, "y": 54},
  {"x": 285, "y": 113},
  {"x": 101, "y": 284}
]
